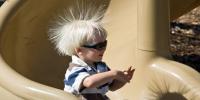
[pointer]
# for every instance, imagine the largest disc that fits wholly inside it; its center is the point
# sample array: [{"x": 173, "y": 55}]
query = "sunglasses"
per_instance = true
[{"x": 99, "y": 46}]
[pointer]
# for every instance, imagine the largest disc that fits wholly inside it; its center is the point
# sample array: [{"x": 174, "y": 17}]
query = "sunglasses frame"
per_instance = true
[{"x": 99, "y": 46}]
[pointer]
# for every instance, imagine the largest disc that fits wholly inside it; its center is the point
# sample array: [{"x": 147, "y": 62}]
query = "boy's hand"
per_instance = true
[
  {"x": 129, "y": 73},
  {"x": 124, "y": 76},
  {"x": 119, "y": 75}
]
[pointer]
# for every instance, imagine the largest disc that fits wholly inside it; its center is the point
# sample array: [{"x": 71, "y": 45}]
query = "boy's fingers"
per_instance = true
[
  {"x": 129, "y": 69},
  {"x": 132, "y": 69}
]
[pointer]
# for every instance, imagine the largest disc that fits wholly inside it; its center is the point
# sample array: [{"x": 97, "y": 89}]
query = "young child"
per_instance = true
[{"x": 84, "y": 39}]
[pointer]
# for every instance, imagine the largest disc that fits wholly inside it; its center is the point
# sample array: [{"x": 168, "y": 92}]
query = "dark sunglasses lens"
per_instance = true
[{"x": 101, "y": 46}]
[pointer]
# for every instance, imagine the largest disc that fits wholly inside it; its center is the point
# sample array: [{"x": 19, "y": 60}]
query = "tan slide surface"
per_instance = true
[{"x": 138, "y": 31}]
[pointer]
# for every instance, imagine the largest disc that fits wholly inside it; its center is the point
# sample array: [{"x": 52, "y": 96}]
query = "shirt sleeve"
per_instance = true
[
  {"x": 75, "y": 77},
  {"x": 102, "y": 67}
]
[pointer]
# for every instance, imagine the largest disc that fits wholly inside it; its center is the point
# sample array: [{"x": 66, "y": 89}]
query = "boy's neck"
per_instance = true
[{"x": 89, "y": 63}]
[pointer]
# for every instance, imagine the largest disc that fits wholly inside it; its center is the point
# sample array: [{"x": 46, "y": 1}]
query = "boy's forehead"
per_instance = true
[{"x": 96, "y": 39}]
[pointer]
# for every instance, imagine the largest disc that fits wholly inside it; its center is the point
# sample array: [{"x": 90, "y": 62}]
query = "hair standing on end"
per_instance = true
[{"x": 80, "y": 23}]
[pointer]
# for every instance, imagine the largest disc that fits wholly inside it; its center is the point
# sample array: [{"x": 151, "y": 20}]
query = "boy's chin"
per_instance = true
[{"x": 99, "y": 60}]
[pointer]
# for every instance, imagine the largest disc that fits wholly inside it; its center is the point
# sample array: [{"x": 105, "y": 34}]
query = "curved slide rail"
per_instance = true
[
  {"x": 16, "y": 83},
  {"x": 156, "y": 77}
]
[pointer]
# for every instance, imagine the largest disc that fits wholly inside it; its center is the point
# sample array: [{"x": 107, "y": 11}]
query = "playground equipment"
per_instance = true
[{"x": 138, "y": 35}]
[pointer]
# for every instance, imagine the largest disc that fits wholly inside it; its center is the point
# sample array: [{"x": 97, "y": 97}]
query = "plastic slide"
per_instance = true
[{"x": 138, "y": 30}]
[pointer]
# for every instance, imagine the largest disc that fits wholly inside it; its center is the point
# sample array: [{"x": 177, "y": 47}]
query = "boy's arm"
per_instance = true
[
  {"x": 99, "y": 79},
  {"x": 116, "y": 84}
]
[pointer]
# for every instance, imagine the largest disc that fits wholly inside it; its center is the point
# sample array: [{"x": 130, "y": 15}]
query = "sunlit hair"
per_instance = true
[{"x": 79, "y": 26}]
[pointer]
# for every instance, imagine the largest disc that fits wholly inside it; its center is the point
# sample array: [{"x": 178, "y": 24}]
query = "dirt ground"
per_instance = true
[{"x": 185, "y": 39}]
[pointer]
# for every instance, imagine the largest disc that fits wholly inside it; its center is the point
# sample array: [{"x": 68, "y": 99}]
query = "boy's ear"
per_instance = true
[{"x": 78, "y": 51}]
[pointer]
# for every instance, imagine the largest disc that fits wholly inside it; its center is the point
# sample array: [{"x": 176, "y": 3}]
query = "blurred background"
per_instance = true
[
  {"x": 185, "y": 39},
  {"x": 1, "y": 2}
]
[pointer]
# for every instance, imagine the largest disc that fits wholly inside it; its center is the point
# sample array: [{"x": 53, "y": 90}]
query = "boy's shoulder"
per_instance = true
[
  {"x": 72, "y": 65},
  {"x": 100, "y": 63},
  {"x": 75, "y": 66}
]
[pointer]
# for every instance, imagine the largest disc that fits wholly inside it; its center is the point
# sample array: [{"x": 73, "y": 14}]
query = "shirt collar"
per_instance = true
[{"x": 77, "y": 60}]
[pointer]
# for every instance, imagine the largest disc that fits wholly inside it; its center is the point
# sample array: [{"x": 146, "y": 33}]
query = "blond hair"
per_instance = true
[{"x": 78, "y": 26}]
